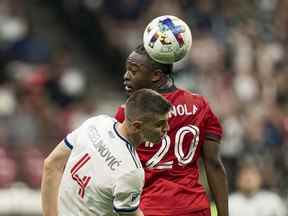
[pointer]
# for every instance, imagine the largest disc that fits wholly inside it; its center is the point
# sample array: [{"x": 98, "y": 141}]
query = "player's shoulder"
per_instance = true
[
  {"x": 100, "y": 119},
  {"x": 188, "y": 93},
  {"x": 194, "y": 97},
  {"x": 99, "y": 123}
]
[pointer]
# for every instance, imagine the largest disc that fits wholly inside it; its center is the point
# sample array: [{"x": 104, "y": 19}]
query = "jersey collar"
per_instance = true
[{"x": 122, "y": 138}]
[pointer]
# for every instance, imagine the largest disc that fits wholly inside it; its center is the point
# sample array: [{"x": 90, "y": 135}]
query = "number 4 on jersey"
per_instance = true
[{"x": 81, "y": 181}]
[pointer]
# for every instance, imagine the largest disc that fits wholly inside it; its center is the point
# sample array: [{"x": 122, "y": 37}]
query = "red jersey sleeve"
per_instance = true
[
  {"x": 213, "y": 127},
  {"x": 120, "y": 113}
]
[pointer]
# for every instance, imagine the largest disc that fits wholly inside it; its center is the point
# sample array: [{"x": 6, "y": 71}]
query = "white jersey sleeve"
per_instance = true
[
  {"x": 127, "y": 192},
  {"x": 72, "y": 138}
]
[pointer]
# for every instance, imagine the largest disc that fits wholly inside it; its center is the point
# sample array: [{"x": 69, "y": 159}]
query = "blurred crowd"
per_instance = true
[
  {"x": 238, "y": 61},
  {"x": 43, "y": 95}
]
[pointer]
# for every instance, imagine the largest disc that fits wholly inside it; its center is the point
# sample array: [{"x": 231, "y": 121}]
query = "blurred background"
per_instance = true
[{"x": 62, "y": 61}]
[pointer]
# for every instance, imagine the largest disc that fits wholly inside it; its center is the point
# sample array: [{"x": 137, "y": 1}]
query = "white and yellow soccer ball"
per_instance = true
[{"x": 167, "y": 39}]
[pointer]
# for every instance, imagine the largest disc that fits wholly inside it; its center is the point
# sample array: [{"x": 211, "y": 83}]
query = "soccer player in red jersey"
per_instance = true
[{"x": 172, "y": 185}]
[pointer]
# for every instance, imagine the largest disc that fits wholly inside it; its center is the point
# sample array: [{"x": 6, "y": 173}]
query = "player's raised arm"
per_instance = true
[
  {"x": 53, "y": 169},
  {"x": 216, "y": 175}
]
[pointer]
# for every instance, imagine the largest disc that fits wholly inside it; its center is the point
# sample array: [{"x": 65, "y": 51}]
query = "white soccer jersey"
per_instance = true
[{"x": 103, "y": 175}]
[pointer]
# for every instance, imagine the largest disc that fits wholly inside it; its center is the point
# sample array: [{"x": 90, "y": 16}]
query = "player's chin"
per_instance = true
[
  {"x": 128, "y": 90},
  {"x": 129, "y": 93}
]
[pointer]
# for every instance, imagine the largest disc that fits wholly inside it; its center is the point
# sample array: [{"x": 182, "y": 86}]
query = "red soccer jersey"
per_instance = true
[{"x": 171, "y": 167}]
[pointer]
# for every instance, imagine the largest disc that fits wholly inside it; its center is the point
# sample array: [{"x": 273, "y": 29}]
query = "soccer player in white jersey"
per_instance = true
[{"x": 95, "y": 170}]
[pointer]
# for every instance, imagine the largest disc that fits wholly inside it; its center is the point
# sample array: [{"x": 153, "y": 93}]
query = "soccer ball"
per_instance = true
[{"x": 167, "y": 39}]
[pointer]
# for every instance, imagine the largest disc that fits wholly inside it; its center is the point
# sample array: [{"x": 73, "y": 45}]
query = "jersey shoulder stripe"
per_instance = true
[
  {"x": 128, "y": 145},
  {"x": 123, "y": 210},
  {"x": 67, "y": 143}
]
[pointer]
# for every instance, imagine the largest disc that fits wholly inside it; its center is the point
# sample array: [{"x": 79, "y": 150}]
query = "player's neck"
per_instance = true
[
  {"x": 132, "y": 138},
  {"x": 166, "y": 84}
]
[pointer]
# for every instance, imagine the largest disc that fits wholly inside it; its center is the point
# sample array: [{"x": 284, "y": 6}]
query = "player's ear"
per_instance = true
[
  {"x": 137, "y": 125},
  {"x": 156, "y": 76}
]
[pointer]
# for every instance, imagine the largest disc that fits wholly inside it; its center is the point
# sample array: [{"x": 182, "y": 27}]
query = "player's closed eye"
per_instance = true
[
  {"x": 161, "y": 124},
  {"x": 133, "y": 69}
]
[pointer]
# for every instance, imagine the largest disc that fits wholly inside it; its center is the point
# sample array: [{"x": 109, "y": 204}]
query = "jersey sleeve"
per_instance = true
[
  {"x": 71, "y": 138},
  {"x": 213, "y": 127},
  {"x": 127, "y": 192},
  {"x": 120, "y": 113}
]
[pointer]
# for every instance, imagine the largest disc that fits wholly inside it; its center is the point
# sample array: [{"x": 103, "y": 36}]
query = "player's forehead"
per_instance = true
[{"x": 137, "y": 59}]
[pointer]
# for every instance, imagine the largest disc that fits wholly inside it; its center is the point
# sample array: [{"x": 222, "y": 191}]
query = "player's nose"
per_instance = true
[{"x": 126, "y": 75}]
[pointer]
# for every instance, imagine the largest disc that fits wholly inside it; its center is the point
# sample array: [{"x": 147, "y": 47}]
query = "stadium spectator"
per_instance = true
[{"x": 251, "y": 199}]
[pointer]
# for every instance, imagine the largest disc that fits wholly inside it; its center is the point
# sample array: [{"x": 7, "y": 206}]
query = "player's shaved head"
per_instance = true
[{"x": 144, "y": 104}]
